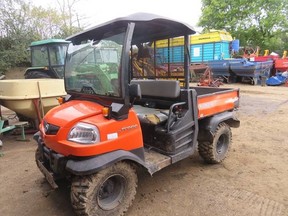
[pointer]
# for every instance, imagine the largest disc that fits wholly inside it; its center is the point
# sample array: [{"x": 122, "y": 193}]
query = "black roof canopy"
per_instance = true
[{"x": 148, "y": 27}]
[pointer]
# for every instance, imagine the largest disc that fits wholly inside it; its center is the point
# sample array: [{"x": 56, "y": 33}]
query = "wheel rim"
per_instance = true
[
  {"x": 222, "y": 144},
  {"x": 111, "y": 192}
]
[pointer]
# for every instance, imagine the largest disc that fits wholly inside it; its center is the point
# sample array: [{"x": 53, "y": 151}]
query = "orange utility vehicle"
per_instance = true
[{"x": 109, "y": 123}]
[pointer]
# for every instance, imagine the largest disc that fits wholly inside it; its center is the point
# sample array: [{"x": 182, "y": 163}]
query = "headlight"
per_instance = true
[{"x": 84, "y": 133}]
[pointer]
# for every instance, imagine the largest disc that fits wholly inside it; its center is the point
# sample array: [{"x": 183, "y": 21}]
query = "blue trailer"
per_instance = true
[{"x": 252, "y": 71}]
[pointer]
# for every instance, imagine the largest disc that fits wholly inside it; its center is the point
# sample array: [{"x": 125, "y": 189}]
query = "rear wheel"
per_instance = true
[
  {"x": 108, "y": 192},
  {"x": 36, "y": 75},
  {"x": 217, "y": 150}
]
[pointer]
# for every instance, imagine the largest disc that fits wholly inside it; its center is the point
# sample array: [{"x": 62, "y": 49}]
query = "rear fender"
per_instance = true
[
  {"x": 209, "y": 125},
  {"x": 95, "y": 164}
]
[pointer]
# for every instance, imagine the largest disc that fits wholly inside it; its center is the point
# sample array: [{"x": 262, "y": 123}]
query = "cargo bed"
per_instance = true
[{"x": 215, "y": 100}]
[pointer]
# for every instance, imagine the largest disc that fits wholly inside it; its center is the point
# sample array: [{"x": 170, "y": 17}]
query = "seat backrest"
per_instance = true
[{"x": 159, "y": 88}]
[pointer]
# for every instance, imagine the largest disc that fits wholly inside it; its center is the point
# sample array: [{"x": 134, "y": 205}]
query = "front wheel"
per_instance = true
[
  {"x": 217, "y": 150},
  {"x": 108, "y": 192}
]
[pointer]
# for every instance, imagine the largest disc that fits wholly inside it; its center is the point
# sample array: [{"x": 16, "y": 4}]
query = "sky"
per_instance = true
[{"x": 99, "y": 11}]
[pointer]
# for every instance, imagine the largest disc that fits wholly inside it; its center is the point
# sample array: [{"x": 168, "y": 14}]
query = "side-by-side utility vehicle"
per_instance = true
[{"x": 111, "y": 123}]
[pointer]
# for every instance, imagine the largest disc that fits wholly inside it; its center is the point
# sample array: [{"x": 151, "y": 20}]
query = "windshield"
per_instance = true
[
  {"x": 93, "y": 67},
  {"x": 39, "y": 56},
  {"x": 57, "y": 54}
]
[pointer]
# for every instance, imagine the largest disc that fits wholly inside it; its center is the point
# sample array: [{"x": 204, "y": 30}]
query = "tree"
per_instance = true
[
  {"x": 21, "y": 23},
  {"x": 47, "y": 23},
  {"x": 71, "y": 20},
  {"x": 15, "y": 34},
  {"x": 262, "y": 23}
]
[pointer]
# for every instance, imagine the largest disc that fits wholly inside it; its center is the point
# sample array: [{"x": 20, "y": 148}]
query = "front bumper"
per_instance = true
[
  {"x": 53, "y": 161},
  {"x": 60, "y": 166},
  {"x": 48, "y": 175},
  {"x": 50, "y": 163}
]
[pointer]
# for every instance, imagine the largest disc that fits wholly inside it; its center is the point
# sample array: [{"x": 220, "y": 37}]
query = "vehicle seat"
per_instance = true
[
  {"x": 161, "y": 89},
  {"x": 152, "y": 116},
  {"x": 152, "y": 91}
]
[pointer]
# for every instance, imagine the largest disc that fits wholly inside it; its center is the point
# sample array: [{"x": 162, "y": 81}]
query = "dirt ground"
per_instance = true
[{"x": 253, "y": 180}]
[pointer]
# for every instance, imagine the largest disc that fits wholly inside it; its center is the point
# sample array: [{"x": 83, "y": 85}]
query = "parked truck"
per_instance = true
[{"x": 103, "y": 131}]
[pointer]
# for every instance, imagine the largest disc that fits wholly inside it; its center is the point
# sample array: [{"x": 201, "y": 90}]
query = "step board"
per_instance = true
[{"x": 156, "y": 161}]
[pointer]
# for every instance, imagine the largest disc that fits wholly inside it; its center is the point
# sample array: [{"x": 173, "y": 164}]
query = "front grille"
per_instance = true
[{"x": 50, "y": 129}]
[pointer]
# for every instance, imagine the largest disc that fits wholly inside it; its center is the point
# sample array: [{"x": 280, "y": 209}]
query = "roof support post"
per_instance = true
[{"x": 186, "y": 61}]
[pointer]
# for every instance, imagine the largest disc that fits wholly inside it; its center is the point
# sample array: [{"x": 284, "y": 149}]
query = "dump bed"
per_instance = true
[{"x": 216, "y": 100}]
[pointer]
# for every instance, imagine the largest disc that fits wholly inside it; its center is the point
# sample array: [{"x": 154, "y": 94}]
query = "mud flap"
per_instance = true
[{"x": 48, "y": 175}]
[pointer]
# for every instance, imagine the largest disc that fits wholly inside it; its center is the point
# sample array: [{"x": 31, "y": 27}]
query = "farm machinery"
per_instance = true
[{"x": 47, "y": 59}]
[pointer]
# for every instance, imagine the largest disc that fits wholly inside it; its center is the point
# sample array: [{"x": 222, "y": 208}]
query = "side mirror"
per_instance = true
[{"x": 134, "y": 91}]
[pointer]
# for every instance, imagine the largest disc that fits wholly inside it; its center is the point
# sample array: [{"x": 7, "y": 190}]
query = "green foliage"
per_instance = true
[
  {"x": 21, "y": 23},
  {"x": 262, "y": 23}
]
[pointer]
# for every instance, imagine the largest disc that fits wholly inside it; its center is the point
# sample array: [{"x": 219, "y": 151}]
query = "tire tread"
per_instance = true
[
  {"x": 207, "y": 149},
  {"x": 82, "y": 186}
]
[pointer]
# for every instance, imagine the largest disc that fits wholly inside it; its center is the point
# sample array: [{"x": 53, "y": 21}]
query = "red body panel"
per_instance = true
[
  {"x": 114, "y": 135},
  {"x": 71, "y": 112},
  {"x": 281, "y": 64},
  {"x": 265, "y": 58},
  {"x": 211, "y": 104}
]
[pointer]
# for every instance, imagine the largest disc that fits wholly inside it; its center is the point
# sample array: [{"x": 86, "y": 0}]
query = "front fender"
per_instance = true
[{"x": 95, "y": 164}]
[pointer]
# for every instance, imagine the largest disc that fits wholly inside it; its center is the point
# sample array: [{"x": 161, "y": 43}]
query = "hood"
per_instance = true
[{"x": 71, "y": 112}]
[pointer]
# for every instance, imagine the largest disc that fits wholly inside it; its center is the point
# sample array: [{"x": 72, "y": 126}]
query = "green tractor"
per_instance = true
[{"x": 47, "y": 58}]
